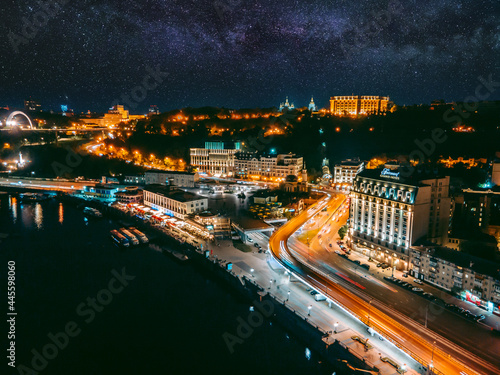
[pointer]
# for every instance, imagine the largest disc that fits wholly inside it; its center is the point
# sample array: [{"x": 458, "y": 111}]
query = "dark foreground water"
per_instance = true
[{"x": 170, "y": 319}]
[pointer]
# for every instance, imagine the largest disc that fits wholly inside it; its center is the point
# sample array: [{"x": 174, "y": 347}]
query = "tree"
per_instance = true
[{"x": 342, "y": 231}]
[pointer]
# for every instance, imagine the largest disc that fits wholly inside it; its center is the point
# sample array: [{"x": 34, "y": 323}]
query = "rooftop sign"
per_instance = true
[{"x": 386, "y": 172}]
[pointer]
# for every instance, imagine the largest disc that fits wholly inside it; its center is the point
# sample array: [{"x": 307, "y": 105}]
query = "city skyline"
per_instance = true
[{"x": 236, "y": 55}]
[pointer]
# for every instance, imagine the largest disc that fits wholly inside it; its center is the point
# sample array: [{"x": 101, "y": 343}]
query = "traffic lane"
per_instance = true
[
  {"x": 381, "y": 322},
  {"x": 280, "y": 250},
  {"x": 475, "y": 337}
]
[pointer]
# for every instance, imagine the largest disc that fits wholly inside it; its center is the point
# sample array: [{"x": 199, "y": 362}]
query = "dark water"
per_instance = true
[{"x": 168, "y": 320}]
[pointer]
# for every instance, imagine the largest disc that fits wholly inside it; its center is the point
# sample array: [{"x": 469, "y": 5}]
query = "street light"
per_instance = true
[
  {"x": 403, "y": 368},
  {"x": 335, "y": 325},
  {"x": 309, "y": 310},
  {"x": 251, "y": 271},
  {"x": 288, "y": 293},
  {"x": 271, "y": 283},
  {"x": 432, "y": 357}
]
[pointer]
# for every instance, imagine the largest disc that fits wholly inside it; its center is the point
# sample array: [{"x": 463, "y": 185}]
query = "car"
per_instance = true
[
  {"x": 338, "y": 252},
  {"x": 256, "y": 244},
  {"x": 417, "y": 281},
  {"x": 379, "y": 264},
  {"x": 480, "y": 317},
  {"x": 313, "y": 292},
  {"x": 405, "y": 274},
  {"x": 404, "y": 284},
  {"x": 385, "y": 266},
  {"x": 357, "y": 262},
  {"x": 340, "y": 242},
  {"x": 389, "y": 278},
  {"x": 417, "y": 290},
  {"x": 250, "y": 240},
  {"x": 330, "y": 245},
  {"x": 427, "y": 295},
  {"x": 367, "y": 266}
]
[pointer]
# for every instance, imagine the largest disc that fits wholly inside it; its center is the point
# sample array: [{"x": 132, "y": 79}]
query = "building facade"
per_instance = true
[
  {"x": 173, "y": 202},
  {"x": 181, "y": 179},
  {"x": 389, "y": 213},
  {"x": 478, "y": 280},
  {"x": 346, "y": 171},
  {"x": 269, "y": 167},
  {"x": 131, "y": 194},
  {"x": 358, "y": 104},
  {"x": 217, "y": 158}
]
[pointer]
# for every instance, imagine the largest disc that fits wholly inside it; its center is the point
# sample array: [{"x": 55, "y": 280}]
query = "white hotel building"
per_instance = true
[
  {"x": 173, "y": 202},
  {"x": 216, "y": 159},
  {"x": 389, "y": 213}
]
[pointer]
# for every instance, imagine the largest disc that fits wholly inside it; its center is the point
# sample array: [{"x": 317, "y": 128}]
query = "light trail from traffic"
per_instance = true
[{"x": 408, "y": 335}]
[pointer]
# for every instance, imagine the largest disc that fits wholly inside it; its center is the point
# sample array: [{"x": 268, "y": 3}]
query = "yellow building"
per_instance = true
[{"x": 358, "y": 104}]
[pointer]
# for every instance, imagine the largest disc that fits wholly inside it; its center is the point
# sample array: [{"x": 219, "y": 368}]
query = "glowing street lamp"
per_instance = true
[
  {"x": 251, "y": 271},
  {"x": 288, "y": 295},
  {"x": 335, "y": 325},
  {"x": 309, "y": 310}
]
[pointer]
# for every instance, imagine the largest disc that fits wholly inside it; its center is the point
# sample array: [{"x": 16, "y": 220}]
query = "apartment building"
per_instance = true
[
  {"x": 345, "y": 172},
  {"x": 478, "y": 280},
  {"x": 270, "y": 167}
]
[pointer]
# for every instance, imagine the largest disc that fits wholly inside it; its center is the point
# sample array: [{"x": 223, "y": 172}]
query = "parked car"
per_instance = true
[
  {"x": 313, "y": 292},
  {"x": 330, "y": 245},
  {"x": 389, "y": 278},
  {"x": 379, "y": 264},
  {"x": 367, "y": 266},
  {"x": 256, "y": 245},
  {"x": 428, "y": 295},
  {"x": 405, "y": 274},
  {"x": 417, "y": 290},
  {"x": 338, "y": 252},
  {"x": 417, "y": 281},
  {"x": 357, "y": 262},
  {"x": 480, "y": 318}
]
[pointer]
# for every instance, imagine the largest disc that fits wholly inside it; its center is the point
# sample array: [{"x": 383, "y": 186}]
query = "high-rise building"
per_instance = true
[
  {"x": 389, "y": 213},
  {"x": 273, "y": 167},
  {"x": 217, "y": 158},
  {"x": 358, "y": 105},
  {"x": 495, "y": 173},
  {"x": 180, "y": 179}
]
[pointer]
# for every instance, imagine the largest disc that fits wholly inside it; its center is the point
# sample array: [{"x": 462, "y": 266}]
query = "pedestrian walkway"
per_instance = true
[{"x": 326, "y": 315}]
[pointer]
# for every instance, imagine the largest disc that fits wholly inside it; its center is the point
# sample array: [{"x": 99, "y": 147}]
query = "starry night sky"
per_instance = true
[{"x": 247, "y": 53}]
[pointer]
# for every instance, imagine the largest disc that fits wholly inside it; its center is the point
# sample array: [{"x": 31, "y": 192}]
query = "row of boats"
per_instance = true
[{"x": 128, "y": 237}]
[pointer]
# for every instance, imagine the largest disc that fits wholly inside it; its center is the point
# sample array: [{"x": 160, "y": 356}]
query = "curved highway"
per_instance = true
[{"x": 425, "y": 346}]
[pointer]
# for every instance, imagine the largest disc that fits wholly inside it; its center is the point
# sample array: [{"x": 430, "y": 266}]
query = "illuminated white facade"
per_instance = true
[
  {"x": 215, "y": 159},
  {"x": 346, "y": 171},
  {"x": 388, "y": 215}
]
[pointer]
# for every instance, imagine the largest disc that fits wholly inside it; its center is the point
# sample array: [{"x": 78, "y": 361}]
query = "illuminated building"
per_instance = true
[
  {"x": 312, "y": 106},
  {"x": 476, "y": 279},
  {"x": 358, "y": 105},
  {"x": 114, "y": 116},
  {"x": 153, "y": 110},
  {"x": 272, "y": 167},
  {"x": 346, "y": 171},
  {"x": 173, "y": 202},
  {"x": 32, "y": 105},
  {"x": 286, "y": 105},
  {"x": 217, "y": 158},
  {"x": 389, "y": 213}
]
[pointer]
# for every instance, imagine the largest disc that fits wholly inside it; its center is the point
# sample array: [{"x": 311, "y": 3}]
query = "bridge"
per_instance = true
[{"x": 12, "y": 124}]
